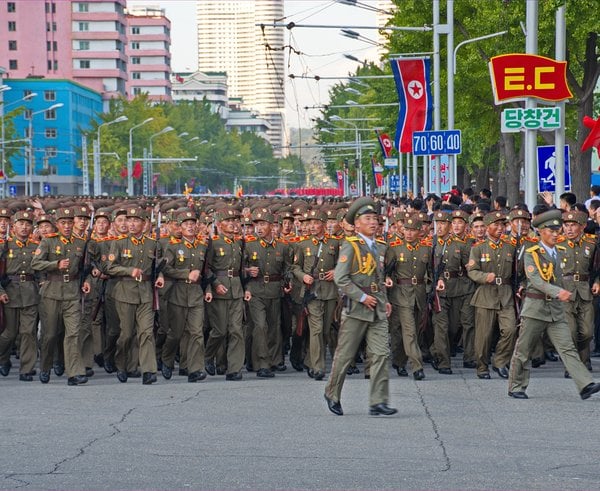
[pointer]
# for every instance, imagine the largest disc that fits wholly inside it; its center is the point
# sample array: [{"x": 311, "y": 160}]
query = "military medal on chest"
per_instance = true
[{"x": 181, "y": 256}]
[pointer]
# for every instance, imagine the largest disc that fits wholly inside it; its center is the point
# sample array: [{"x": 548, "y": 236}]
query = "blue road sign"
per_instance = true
[
  {"x": 394, "y": 183},
  {"x": 46, "y": 188},
  {"x": 546, "y": 164},
  {"x": 436, "y": 142},
  {"x": 12, "y": 190}
]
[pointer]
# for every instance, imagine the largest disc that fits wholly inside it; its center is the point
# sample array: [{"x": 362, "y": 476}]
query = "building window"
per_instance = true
[
  {"x": 84, "y": 7},
  {"x": 50, "y": 132},
  {"x": 135, "y": 60},
  {"x": 27, "y": 114},
  {"x": 13, "y": 65},
  {"x": 51, "y": 45},
  {"x": 135, "y": 45},
  {"x": 50, "y": 114},
  {"x": 136, "y": 75},
  {"x": 135, "y": 30},
  {"x": 137, "y": 90},
  {"x": 84, "y": 63},
  {"x": 12, "y": 26},
  {"x": 52, "y": 65},
  {"x": 49, "y": 95},
  {"x": 51, "y": 151},
  {"x": 84, "y": 45},
  {"x": 84, "y": 26},
  {"x": 51, "y": 26},
  {"x": 11, "y": 6},
  {"x": 27, "y": 93},
  {"x": 50, "y": 7},
  {"x": 12, "y": 46}
]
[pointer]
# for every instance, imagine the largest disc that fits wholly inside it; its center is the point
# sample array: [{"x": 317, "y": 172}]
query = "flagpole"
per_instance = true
[
  {"x": 415, "y": 175},
  {"x": 400, "y": 176}
]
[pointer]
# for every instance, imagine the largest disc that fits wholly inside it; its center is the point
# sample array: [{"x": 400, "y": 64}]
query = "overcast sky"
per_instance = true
[{"x": 323, "y": 48}]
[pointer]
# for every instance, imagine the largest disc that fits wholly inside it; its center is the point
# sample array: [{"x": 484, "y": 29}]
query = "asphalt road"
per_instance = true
[{"x": 451, "y": 432}]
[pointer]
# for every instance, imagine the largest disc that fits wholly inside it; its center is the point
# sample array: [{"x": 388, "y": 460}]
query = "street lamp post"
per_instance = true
[
  {"x": 130, "y": 156},
  {"x": 3, "y": 106},
  {"x": 149, "y": 169},
  {"x": 29, "y": 179},
  {"x": 97, "y": 152},
  {"x": 358, "y": 155}
]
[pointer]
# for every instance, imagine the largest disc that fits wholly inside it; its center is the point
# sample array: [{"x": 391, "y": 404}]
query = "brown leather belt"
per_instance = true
[
  {"x": 22, "y": 278},
  {"x": 539, "y": 296},
  {"x": 374, "y": 288},
  {"x": 453, "y": 274},
  {"x": 319, "y": 276},
  {"x": 268, "y": 278},
  {"x": 139, "y": 279},
  {"x": 577, "y": 277},
  {"x": 65, "y": 278},
  {"x": 189, "y": 282},
  {"x": 229, "y": 273},
  {"x": 409, "y": 281},
  {"x": 501, "y": 281}
]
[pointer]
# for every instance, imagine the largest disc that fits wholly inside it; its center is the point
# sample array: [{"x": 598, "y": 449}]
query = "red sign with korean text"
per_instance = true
[{"x": 518, "y": 76}]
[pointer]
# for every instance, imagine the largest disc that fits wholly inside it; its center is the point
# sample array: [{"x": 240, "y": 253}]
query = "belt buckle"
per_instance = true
[
  {"x": 321, "y": 276},
  {"x": 22, "y": 278},
  {"x": 446, "y": 275},
  {"x": 576, "y": 277},
  {"x": 498, "y": 281},
  {"x": 374, "y": 288},
  {"x": 230, "y": 273},
  {"x": 138, "y": 278},
  {"x": 549, "y": 298},
  {"x": 266, "y": 278},
  {"x": 188, "y": 281},
  {"x": 414, "y": 281},
  {"x": 66, "y": 278}
]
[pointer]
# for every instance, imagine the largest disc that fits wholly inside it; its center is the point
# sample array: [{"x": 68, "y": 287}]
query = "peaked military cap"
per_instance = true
[
  {"x": 262, "y": 214},
  {"x": 64, "y": 213},
  {"x": 549, "y": 219},
  {"x": 575, "y": 216},
  {"x": 81, "y": 211},
  {"x": 514, "y": 214},
  {"x": 317, "y": 215},
  {"x": 463, "y": 215},
  {"x": 136, "y": 212},
  {"x": 413, "y": 223},
  {"x": 494, "y": 216},
  {"x": 23, "y": 215},
  {"x": 442, "y": 216},
  {"x": 182, "y": 216},
  {"x": 362, "y": 206}
]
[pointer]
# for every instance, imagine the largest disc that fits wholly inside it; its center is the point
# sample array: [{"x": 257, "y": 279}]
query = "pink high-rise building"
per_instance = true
[
  {"x": 80, "y": 41},
  {"x": 148, "y": 49}
]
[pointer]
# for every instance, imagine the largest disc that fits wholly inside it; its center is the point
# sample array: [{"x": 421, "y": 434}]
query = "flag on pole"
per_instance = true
[
  {"x": 340, "y": 181},
  {"x": 386, "y": 144},
  {"x": 137, "y": 170},
  {"x": 377, "y": 172},
  {"x": 412, "y": 77}
]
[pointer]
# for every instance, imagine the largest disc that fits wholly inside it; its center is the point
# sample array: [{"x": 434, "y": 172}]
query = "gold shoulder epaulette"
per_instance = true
[
  {"x": 561, "y": 248},
  {"x": 380, "y": 241},
  {"x": 52, "y": 235},
  {"x": 560, "y": 239},
  {"x": 589, "y": 238},
  {"x": 293, "y": 240},
  {"x": 215, "y": 237},
  {"x": 353, "y": 238},
  {"x": 533, "y": 248},
  {"x": 533, "y": 240},
  {"x": 175, "y": 240},
  {"x": 395, "y": 243},
  {"x": 251, "y": 238},
  {"x": 426, "y": 241},
  {"x": 482, "y": 241}
]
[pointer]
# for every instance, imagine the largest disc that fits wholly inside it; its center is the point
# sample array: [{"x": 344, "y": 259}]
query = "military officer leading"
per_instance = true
[
  {"x": 544, "y": 311},
  {"x": 360, "y": 276}
]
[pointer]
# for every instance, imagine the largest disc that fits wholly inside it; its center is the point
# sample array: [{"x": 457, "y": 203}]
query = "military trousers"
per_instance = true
[
  {"x": 408, "y": 321},
  {"x": 398, "y": 353},
  {"x": 440, "y": 349},
  {"x": 189, "y": 320},
  {"x": 135, "y": 318},
  {"x": 320, "y": 320},
  {"x": 265, "y": 315},
  {"x": 580, "y": 317},
  {"x": 86, "y": 335},
  {"x": 485, "y": 324},
  {"x": 23, "y": 322},
  {"x": 113, "y": 331},
  {"x": 54, "y": 314},
  {"x": 559, "y": 334},
  {"x": 351, "y": 333},
  {"x": 461, "y": 325},
  {"x": 226, "y": 332}
]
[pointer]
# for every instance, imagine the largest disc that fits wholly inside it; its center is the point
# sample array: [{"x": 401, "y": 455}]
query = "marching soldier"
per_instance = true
[
  {"x": 184, "y": 266},
  {"x": 130, "y": 263},
  {"x": 225, "y": 311},
  {"x": 360, "y": 276},
  {"x": 579, "y": 255},
  {"x": 544, "y": 311},
  {"x": 20, "y": 297},
  {"x": 411, "y": 261},
  {"x": 265, "y": 260},
  {"x": 491, "y": 267},
  {"x": 60, "y": 255},
  {"x": 314, "y": 262}
]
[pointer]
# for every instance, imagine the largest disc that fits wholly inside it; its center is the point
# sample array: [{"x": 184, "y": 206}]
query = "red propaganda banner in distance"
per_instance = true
[{"x": 518, "y": 76}]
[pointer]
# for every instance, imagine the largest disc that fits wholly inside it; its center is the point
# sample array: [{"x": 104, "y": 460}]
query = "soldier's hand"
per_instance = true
[
  {"x": 136, "y": 273},
  {"x": 208, "y": 297},
  {"x": 221, "y": 290},
  {"x": 329, "y": 275},
  {"x": 389, "y": 283},
  {"x": 308, "y": 279},
  {"x": 160, "y": 282},
  {"x": 64, "y": 263},
  {"x": 287, "y": 288},
  {"x": 86, "y": 288},
  {"x": 441, "y": 286},
  {"x": 4, "y": 298},
  {"x": 194, "y": 275},
  {"x": 252, "y": 271},
  {"x": 564, "y": 296},
  {"x": 388, "y": 309},
  {"x": 370, "y": 302},
  {"x": 490, "y": 278},
  {"x": 95, "y": 272},
  {"x": 247, "y": 296},
  {"x": 595, "y": 289}
]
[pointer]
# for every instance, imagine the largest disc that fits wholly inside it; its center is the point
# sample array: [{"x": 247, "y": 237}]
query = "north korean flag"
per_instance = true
[{"x": 412, "y": 77}]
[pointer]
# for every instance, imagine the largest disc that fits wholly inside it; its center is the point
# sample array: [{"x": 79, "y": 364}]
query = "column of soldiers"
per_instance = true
[{"x": 213, "y": 287}]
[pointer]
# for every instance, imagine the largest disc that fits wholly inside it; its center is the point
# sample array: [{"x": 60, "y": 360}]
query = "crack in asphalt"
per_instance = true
[{"x": 435, "y": 430}]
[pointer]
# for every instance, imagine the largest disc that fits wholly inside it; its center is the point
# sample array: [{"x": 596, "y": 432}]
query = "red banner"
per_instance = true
[
  {"x": 517, "y": 76},
  {"x": 340, "y": 180},
  {"x": 386, "y": 144}
]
